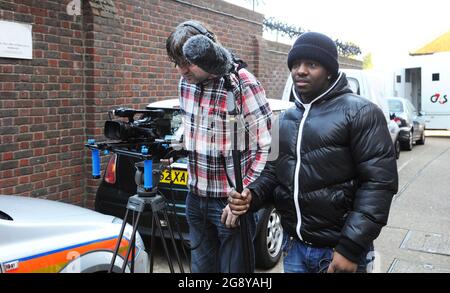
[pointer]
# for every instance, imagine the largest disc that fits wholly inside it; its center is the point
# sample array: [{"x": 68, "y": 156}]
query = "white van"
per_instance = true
[{"x": 425, "y": 82}]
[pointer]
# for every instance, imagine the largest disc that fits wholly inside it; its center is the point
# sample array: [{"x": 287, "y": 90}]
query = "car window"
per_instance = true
[
  {"x": 354, "y": 85},
  {"x": 395, "y": 106},
  {"x": 5, "y": 216}
]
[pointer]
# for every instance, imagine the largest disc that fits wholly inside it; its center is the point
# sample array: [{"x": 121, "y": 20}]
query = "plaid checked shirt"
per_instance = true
[{"x": 208, "y": 132}]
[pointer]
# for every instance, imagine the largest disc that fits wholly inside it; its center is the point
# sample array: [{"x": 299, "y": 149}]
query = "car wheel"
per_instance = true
[
  {"x": 268, "y": 242},
  {"x": 397, "y": 149},
  {"x": 408, "y": 145},
  {"x": 421, "y": 141}
]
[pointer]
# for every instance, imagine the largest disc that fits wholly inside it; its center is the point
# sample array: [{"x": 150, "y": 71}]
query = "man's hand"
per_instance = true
[
  {"x": 239, "y": 202},
  {"x": 228, "y": 218},
  {"x": 340, "y": 264}
]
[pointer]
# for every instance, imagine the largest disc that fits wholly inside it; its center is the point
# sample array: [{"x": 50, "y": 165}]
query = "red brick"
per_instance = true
[
  {"x": 38, "y": 177},
  {"x": 8, "y": 182},
  {"x": 24, "y": 179},
  {"x": 24, "y": 162}
]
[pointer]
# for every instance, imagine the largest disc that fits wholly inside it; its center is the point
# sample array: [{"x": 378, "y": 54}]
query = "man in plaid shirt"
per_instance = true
[{"x": 206, "y": 96}]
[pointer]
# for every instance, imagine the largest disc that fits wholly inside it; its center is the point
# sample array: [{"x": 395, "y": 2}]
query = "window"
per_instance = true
[
  {"x": 395, "y": 106},
  {"x": 354, "y": 85},
  {"x": 435, "y": 77},
  {"x": 399, "y": 78}
]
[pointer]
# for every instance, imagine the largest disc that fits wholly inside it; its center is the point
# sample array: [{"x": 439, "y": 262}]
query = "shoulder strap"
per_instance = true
[
  {"x": 232, "y": 106},
  {"x": 241, "y": 63}
]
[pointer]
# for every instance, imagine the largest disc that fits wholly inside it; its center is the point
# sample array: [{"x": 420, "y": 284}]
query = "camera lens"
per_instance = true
[{"x": 115, "y": 130}]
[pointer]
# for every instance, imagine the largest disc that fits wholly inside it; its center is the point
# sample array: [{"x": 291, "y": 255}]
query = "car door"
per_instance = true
[{"x": 415, "y": 120}]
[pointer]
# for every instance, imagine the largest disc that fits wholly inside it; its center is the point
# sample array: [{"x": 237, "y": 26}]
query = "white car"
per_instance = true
[{"x": 44, "y": 236}]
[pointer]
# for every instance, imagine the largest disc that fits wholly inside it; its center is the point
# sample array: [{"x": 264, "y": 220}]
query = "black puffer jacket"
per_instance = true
[{"x": 336, "y": 173}]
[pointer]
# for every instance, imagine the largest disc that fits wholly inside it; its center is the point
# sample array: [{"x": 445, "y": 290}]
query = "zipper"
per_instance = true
[
  {"x": 297, "y": 170},
  {"x": 298, "y": 149}
]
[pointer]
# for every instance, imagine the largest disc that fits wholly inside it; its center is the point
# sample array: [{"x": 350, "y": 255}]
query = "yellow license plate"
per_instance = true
[{"x": 179, "y": 177}]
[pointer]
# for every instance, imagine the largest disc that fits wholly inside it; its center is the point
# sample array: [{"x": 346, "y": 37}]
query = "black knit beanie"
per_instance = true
[{"x": 317, "y": 47}]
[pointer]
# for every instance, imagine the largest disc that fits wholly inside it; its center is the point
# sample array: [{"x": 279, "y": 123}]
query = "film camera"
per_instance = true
[{"x": 150, "y": 126}]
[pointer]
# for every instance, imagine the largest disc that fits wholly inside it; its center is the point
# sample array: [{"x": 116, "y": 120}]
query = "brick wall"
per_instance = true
[
  {"x": 111, "y": 54},
  {"x": 273, "y": 69},
  {"x": 350, "y": 63},
  {"x": 42, "y": 106}
]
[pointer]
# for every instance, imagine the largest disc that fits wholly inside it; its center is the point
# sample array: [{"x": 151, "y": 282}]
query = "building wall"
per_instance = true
[
  {"x": 273, "y": 67},
  {"x": 42, "y": 106},
  {"x": 110, "y": 54}
]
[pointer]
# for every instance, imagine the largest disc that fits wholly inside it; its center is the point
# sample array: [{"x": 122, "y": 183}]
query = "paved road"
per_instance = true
[{"x": 417, "y": 237}]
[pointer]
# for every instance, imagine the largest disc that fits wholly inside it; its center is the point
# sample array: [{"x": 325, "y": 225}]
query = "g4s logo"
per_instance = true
[{"x": 438, "y": 98}]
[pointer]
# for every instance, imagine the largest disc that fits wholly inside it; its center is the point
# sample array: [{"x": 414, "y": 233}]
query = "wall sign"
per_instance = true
[{"x": 16, "y": 40}]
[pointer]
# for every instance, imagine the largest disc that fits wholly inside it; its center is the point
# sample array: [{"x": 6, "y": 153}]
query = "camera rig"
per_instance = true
[{"x": 150, "y": 139}]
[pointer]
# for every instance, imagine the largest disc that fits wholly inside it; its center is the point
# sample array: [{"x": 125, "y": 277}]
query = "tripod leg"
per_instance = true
[
  {"x": 132, "y": 240},
  {"x": 119, "y": 240},
  {"x": 152, "y": 244},
  {"x": 182, "y": 242},
  {"x": 133, "y": 255},
  {"x": 163, "y": 240},
  {"x": 173, "y": 241},
  {"x": 133, "y": 245}
]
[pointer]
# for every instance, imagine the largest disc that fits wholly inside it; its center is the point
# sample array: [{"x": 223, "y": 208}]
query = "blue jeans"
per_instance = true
[
  {"x": 300, "y": 257},
  {"x": 220, "y": 249}
]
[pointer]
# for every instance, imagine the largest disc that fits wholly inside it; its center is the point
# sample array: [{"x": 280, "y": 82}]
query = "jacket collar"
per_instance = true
[{"x": 339, "y": 87}]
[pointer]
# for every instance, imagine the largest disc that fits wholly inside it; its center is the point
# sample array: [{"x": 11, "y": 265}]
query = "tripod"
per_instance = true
[{"x": 140, "y": 202}]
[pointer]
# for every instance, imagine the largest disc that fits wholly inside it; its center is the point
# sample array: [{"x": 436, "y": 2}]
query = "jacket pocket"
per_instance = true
[
  {"x": 342, "y": 204},
  {"x": 341, "y": 201}
]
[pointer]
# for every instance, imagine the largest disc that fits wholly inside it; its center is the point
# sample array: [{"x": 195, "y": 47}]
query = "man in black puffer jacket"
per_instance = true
[{"x": 336, "y": 172}]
